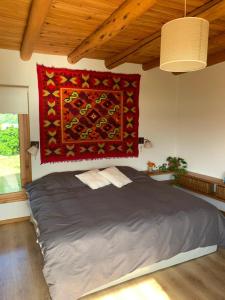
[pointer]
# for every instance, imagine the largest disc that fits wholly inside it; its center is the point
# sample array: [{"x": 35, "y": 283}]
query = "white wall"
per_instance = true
[
  {"x": 201, "y": 120},
  {"x": 157, "y": 119},
  {"x": 14, "y": 210},
  {"x": 182, "y": 115}
]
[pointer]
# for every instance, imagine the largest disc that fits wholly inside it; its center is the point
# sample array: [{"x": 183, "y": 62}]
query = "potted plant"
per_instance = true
[
  {"x": 177, "y": 165},
  {"x": 163, "y": 167}
]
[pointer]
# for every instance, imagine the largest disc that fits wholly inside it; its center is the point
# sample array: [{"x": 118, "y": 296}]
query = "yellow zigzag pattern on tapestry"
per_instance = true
[
  {"x": 127, "y": 83},
  {"x": 112, "y": 134},
  {"x": 101, "y": 122},
  {"x": 86, "y": 149},
  {"x": 126, "y": 109},
  {"x": 56, "y": 151},
  {"x": 51, "y": 111},
  {"x": 83, "y": 111},
  {"x": 84, "y": 135},
  {"x": 113, "y": 110},
  {"x": 73, "y": 122},
  {"x": 50, "y": 76},
  {"x": 52, "y": 140},
  {"x": 48, "y": 123},
  {"x": 116, "y": 85},
  {"x": 105, "y": 82},
  {"x": 129, "y": 122},
  {"x": 101, "y": 148},
  {"x": 47, "y": 93},
  {"x": 130, "y": 99},
  {"x": 102, "y": 97},
  {"x": 129, "y": 145},
  {"x": 126, "y": 134},
  {"x": 111, "y": 148},
  {"x": 85, "y": 78},
  {"x": 71, "y": 150},
  {"x": 73, "y": 96},
  {"x": 63, "y": 79}
]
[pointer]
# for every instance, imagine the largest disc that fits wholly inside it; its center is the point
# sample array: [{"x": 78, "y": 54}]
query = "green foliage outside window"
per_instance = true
[
  {"x": 9, "y": 119},
  {"x": 10, "y": 180},
  {"x": 9, "y": 141}
]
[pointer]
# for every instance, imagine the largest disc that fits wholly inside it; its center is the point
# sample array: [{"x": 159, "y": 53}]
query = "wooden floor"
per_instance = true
[{"x": 21, "y": 276}]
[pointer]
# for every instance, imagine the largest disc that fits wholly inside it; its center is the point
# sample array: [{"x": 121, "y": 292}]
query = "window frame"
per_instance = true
[{"x": 25, "y": 161}]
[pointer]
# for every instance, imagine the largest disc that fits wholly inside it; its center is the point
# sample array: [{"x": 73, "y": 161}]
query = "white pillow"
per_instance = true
[
  {"x": 93, "y": 179},
  {"x": 116, "y": 177}
]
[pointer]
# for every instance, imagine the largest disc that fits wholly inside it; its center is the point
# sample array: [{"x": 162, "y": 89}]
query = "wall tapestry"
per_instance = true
[{"x": 87, "y": 114}]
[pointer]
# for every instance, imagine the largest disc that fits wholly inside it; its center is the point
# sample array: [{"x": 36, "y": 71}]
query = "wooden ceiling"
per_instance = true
[{"x": 116, "y": 31}]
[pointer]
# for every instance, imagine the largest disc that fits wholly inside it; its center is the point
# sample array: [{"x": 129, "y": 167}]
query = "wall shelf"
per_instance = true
[
  {"x": 158, "y": 172},
  {"x": 205, "y": 185}
]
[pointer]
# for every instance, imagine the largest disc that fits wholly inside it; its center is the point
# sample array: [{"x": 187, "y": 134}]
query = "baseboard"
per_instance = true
[{"x": 14, "y": 220}]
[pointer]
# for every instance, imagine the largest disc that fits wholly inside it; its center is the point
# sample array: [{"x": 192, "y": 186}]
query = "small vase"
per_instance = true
[{"x": 150, "y": 169}]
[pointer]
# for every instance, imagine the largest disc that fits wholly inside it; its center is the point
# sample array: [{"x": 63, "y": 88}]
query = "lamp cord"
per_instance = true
[{"x": 185, "y": 8}]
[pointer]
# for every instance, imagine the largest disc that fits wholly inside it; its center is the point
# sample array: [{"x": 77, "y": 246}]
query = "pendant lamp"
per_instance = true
[{"x": 184, "y": 44}]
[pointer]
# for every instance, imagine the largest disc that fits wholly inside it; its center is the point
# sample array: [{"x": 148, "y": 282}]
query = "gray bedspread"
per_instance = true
[{"x": 91, "y": 237}]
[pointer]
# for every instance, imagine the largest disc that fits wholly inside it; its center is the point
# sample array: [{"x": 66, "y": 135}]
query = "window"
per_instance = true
[
  {"x": 10, "y": 177},
  {"x": 15, "y": 164}
]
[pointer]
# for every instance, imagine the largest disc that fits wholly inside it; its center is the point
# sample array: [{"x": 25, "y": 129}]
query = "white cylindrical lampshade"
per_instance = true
[{"x": 184, "y": 45}]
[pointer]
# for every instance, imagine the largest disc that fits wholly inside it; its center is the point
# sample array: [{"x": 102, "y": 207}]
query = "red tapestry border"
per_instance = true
[{"x": 87, "y": 114}]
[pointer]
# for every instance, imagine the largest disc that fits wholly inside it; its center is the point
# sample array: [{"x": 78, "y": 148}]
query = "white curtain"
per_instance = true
[{"x": 13, "y": 100}]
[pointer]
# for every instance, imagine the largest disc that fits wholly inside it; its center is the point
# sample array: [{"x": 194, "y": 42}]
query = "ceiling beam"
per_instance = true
[
  {"x": 127, "y": 12},
  {"x": 210, "y": 11},
  {"x": 36, "y": 18}
]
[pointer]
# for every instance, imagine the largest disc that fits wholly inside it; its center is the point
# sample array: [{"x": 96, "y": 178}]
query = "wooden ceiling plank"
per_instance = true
[
  {"x": 211, "y": 11},
  {"x": 118, "y": 21},
  {"x": 218, "y": 40},
  {"x": 150, "y": 64},
  {"x": 216, "y": 58},
  {"x": 122, "y": 57},
  {"x": 215, "y": 12},
  {"x": 38, "y": 13}
]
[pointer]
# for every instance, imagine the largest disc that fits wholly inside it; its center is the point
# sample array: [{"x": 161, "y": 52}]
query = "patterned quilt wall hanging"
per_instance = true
[{"x": 87, "y": 114}]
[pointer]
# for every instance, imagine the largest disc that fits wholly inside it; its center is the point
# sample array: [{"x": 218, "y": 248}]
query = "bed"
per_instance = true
[{"x": 92, "y": 239}]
